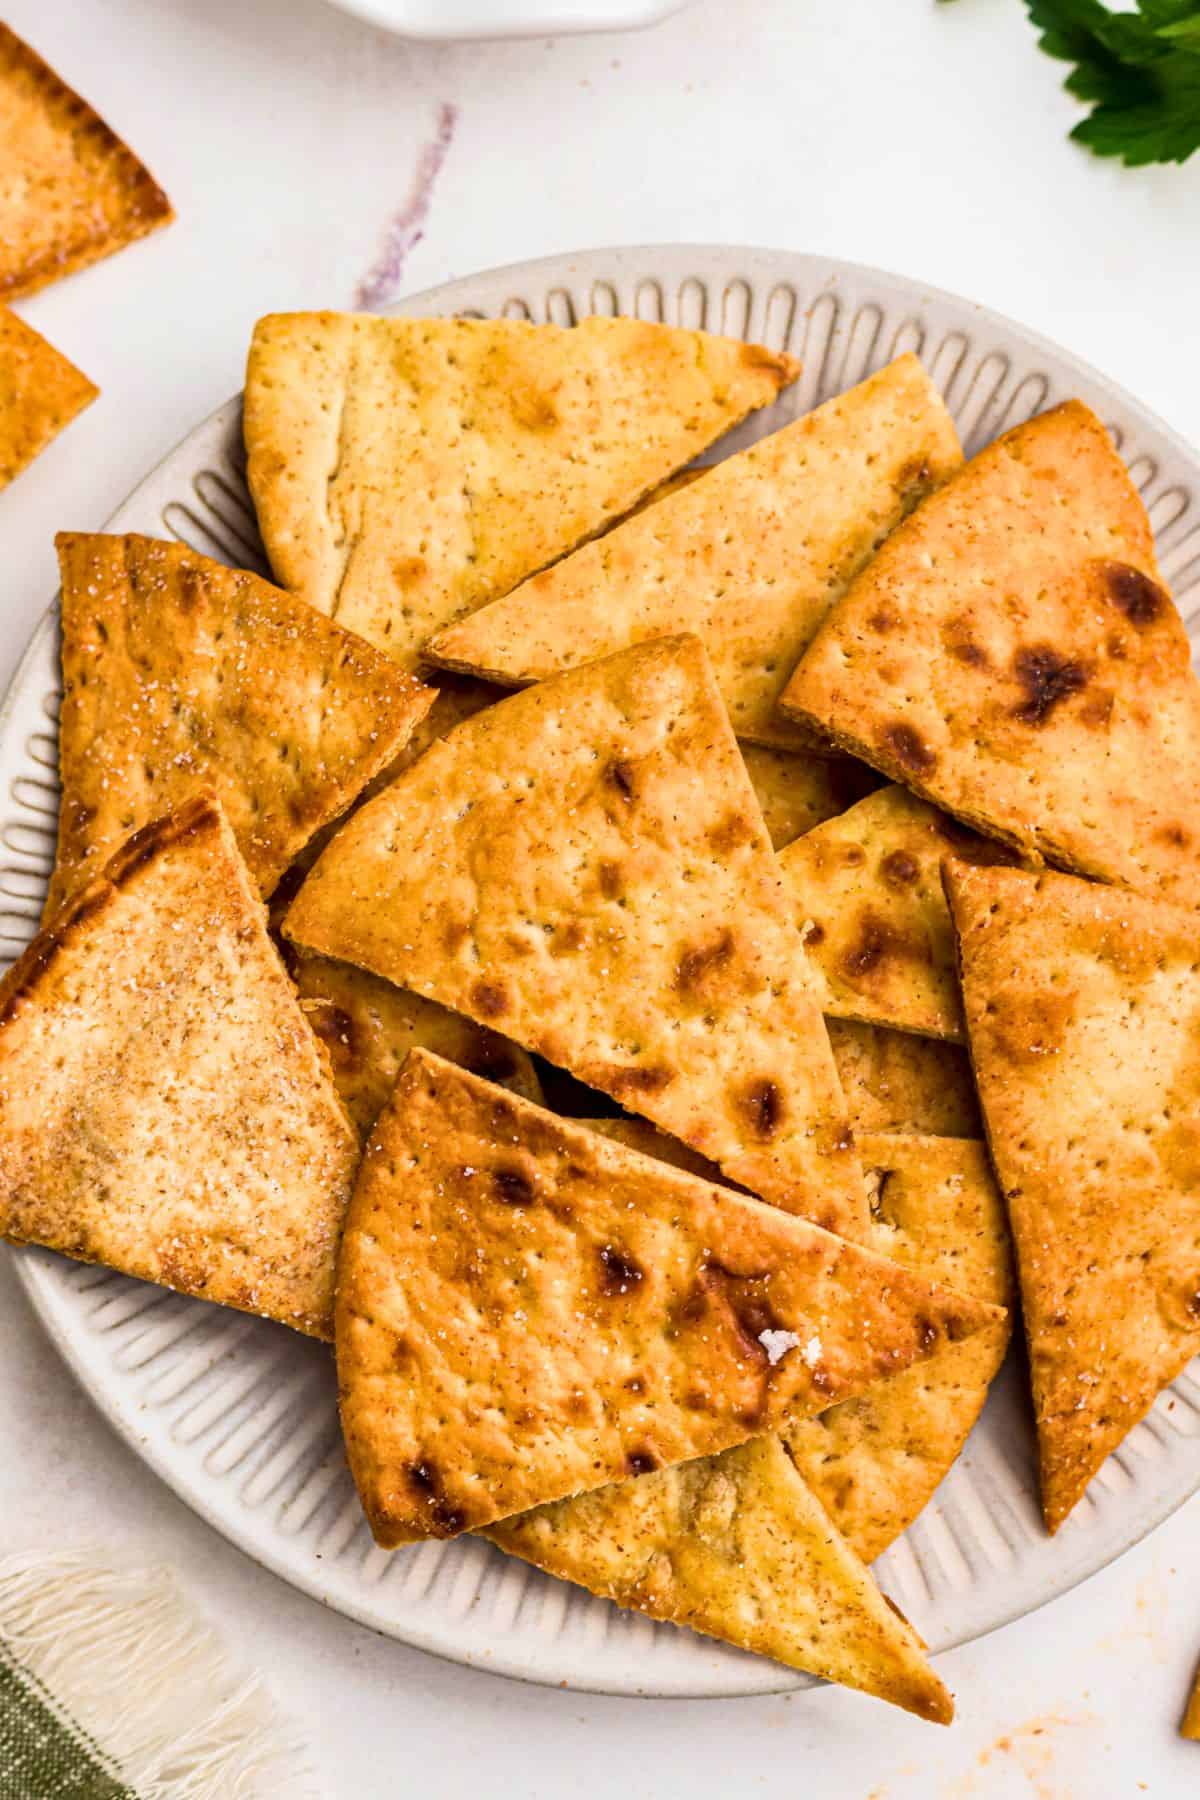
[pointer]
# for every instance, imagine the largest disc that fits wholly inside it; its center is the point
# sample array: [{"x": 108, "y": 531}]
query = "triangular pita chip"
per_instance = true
[
  {"x": 164, "y": 1108},
  {"x": 894, "y": 1082},
  {"x": 1083, "y": 1013},
  {"x": 368, "y": 1028},
  {"x": 1191, "y": 1718},
  {"x": 750, "y": 557},
  {"x": 1011, "y": 655},
  {"x": 179, "y": 672},
  {"x": 406, "y": 471},
  {"x": 866, "y": 893},
  {"x": 527, "y": 1310},
  {"x": 737, "y": 1546},
  {"x": 797, "y": 790},
  {"x": 40, "y": 393},
  {"x": 874, "y": 1461},
  {"x": 72, "y": 191},
  {"x": 584, "y": 868}
]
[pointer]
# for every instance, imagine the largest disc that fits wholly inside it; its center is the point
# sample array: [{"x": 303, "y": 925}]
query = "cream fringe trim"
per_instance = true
[{"x": 125, "y": 1654}]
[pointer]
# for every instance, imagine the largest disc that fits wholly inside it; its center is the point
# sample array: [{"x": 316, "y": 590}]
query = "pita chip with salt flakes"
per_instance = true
[
  {"x": 1012, "y": 655},
  {"x": 895, "y": 1082},
  {"x": 1083, "y": 1013},
  {"x": 178, "y": 673},
  {"x": 40, "y": 393},
  {"x": 72, "y": 192},
  {"x": 738, "y": 1547},
  {"x": 584, "y": 868},
  {"x": 750, "y": 557},
  {"x": 368, "y": 1028},
  {"x": 797, "y": 790},
  {"x": 606, "y": 1314},
  {"x": 164, "y": 1109},
  {"x": 407, "y": 471},
  {"x": 866, "y": 891}
]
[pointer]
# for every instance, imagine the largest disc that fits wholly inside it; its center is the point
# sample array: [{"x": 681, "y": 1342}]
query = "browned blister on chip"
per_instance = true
[
  {"x": 164, "y": 1108},
  {"x": 406, "y": 471},
  {"x": 40, "y": 393},
  {"x": 750, "y": 557},
  {"x": 1083, "y": 1014},
  {"x": 1012, "y": 655},
  {"x": 527, "y": 1310}
]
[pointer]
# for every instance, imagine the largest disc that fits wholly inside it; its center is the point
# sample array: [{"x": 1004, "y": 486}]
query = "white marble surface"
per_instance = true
[{"x": 922, "y": 138}]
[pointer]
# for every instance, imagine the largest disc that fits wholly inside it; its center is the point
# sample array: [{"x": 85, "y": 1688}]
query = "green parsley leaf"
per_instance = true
[{"x": 1140, "y": 70}]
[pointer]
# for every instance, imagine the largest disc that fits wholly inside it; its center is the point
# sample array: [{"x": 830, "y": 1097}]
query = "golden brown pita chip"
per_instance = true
[
  {"x": 368, "y": 1028},
  {"x": 40, "y": 393},
  {"x": 1011, "y": 655},
  {"x": 1083, "y": 1013},
  {"x": 750, "y": 557},
  {"x": 180, "y": 672},
  {"x": 737, "y": 1546},
  {"x": 72, "y": 191},
  {"x": 1191, "y": 1718},
  {"x": 527, "y": 1310},
  {"x": 874, "y": 1462},
  {"x": 797, "y": 790},
  {"x": 584, "y": 868},
  {"x": 866, "y": 893},
  {"x": 895, "y": 1082},
  {"x": 164, "y": 1108},
  {"x": 405, "y": 471}
]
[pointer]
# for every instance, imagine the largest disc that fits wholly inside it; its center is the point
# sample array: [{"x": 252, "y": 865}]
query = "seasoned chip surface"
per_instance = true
[
  {"x": 405, "y": 471},
  {"x": 1012, "y": 655},
  {"x": 737, "y": 1546},
  {"x": 797, "y": 790},
  {"x": 40, "y": 393},
  {"x": 164, "y": 1108},
  {"x": 180, "y": 672},
  {"x": 896, "y": 1082},
  {"x": 527, "y": 1310},
  {"x": 72, "y": 191},
  {"x": 1083, "y": 1011},
  {"x": 584, "y": 868},
  {"x": 750, "y": 557}
]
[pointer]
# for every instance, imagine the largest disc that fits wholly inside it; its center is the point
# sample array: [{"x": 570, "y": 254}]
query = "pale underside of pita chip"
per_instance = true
[
  {"x": 737, "y": 1546},
  {"x": 866, "y": 893},
  {"x": 1083, "y": 1013},
  {"x": 797, "y": 790},
  {"x": 584, "y": 868},
  {"x": 1011, "y": 655},
  {"x": 40, "y": 393},
  {"x": 527, "y": 1310},
  {"x": 368, "y": 1028},
  {"x": 895, "y": 1082},
  {"x": 164, "y": 1108},
  {"x": 750, "y": 557},
  {"x": 406, "y": 471},
  {"x": 73, "y": 192},
  {"x": 178, "y": 673}
]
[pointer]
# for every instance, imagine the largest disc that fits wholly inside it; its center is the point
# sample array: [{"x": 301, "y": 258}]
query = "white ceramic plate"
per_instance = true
[
  {"x": 238, "y": 1415},
  {"x": 454, "y": 20}
]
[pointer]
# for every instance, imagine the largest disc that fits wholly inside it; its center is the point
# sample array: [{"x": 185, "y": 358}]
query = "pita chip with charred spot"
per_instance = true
[
  {"x": 584, "y": 868},
  {"x": 527, "y": 1310},
  {"x": 1083, "y": 1014}
]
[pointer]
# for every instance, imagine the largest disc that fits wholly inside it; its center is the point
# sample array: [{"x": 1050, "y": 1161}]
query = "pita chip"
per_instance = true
[
  {"x": 406, "y": 471},
  {"x": 750, "y": 557},
  {"x": 73, "y": 192},
  {"x": 179, "y": 672},
  {"x": 894, "y": 1082},
  {"x": 1191, "y": 1718},
  {"x": 584, "y": 868},
  {"x": 1083, "y": 1013},
  {"x": 797, "y": 790},
  {"x": 738, "y": 1547},
  {"x": 526, "y": 1310},
  {"x": 1012, "y": 655},
  {"x": 40, "y": 393},
  {"x": 368, "y": 1027},
  {"x": 866, "y": 892},
  {"x": 164, "y": 1109}
]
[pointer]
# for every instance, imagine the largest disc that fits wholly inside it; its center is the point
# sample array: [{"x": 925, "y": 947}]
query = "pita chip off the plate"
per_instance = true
[
  {"x": 1012, "y": 655},
  {"x": 526, "y": 1310},
  {"x": 1083, "y": 1013},
  {"x": 40, "y": 393},
  {"x": 164, "y": 1109},
  {"x": 584, "y": 868}
]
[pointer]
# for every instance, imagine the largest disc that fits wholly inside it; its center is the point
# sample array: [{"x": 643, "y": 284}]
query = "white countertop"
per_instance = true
[{"x": 927, "y": 139}]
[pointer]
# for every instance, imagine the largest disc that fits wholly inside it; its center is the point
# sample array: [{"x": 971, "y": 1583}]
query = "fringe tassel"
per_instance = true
[{"x": 125, "y": 1654}]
